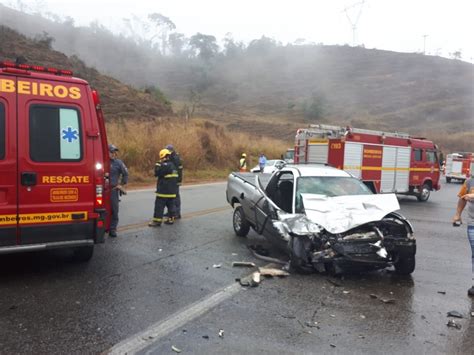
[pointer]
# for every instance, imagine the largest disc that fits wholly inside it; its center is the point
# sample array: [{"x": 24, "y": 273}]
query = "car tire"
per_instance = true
[
  {"x": 424, "y": 194},
  {"x": 448, "y": 180},
  {"x": 83, "y": 254},
  {"x": 405, "y": 266},
  {"x": 240, "y": 223},
  {"x": 296, "y": 263}
]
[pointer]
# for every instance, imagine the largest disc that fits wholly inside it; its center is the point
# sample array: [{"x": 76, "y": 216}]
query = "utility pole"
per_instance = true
[
  {"x": 424, "y": 44},
  {"x": 354, "y": 22}
]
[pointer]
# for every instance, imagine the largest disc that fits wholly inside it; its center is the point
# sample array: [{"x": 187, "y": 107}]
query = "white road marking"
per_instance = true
[{"x": 160, "y": 329}]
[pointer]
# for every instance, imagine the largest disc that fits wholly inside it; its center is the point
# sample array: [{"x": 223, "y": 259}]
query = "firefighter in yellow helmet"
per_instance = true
[
  {"x": 166, "y": 189},
  {"x": 243, "y": 163}
]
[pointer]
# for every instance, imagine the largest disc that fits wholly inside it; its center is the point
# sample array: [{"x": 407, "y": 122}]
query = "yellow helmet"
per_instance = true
[
  {"x": 164, "y": 153},
  {"x": 244, "y": 155}
]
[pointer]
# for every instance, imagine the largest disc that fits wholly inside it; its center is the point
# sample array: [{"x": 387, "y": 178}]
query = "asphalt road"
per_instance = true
[{"x": 153, "y": 289}]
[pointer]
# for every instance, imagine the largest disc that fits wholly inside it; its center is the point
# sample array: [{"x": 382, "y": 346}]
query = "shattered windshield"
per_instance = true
[{"x": 331, "y": 186}]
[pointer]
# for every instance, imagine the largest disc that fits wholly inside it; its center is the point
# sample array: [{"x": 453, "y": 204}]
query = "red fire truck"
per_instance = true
[
  {"x": 385, "y": 161},
  {"x": 54, "y": 162},
  {"x": 459, "y": 166}
]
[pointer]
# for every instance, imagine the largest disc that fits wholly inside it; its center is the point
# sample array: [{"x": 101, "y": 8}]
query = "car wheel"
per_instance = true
[
  {"x": 296, "y": 261},
  {"x": 241, "y": 225},
  {"x": 405, "y": 266},
  {"x": 424, "y": 194},
  {"x": 83, "y": 254},
  {"x": 448, "y": 180}
]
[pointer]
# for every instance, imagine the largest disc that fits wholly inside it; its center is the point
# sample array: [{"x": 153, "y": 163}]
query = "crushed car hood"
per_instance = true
[{"x": 342, "y": 213}]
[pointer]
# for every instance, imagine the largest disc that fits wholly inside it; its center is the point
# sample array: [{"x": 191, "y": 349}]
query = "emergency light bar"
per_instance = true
[{"x": 37, "y": 68}]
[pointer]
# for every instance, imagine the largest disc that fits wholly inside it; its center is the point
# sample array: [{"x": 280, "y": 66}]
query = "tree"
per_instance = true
[
  {"x": 205, "y": 44},
  {"x": 231, "y": 47},
  {"x": 176, "y": 42},
  {"x": 456, "y": 55},
  {"x": 163, "y": 25}
]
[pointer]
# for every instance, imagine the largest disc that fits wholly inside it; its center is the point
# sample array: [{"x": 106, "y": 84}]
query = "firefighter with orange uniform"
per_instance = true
[
  {"x": 166, "y": 189},
  {"x": 243, "y": 163}
]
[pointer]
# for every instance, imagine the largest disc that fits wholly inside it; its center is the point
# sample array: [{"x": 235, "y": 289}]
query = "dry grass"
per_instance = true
[{"x": 208, "y": 151}]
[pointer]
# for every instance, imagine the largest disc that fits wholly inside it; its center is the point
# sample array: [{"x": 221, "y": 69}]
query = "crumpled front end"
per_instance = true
[{"x": 372, "y": 245}]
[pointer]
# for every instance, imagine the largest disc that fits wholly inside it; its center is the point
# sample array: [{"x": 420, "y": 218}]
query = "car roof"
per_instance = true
[{"x": 317, "y": 170}]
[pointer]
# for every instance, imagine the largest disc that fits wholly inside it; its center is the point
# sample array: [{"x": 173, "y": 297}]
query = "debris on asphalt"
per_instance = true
[
  {"x": 455, "y": 314},
  {"x": 175, "y": 349},
  {"x": 217, "y": 266},
  {"x": 346, "y": 292},
  {"x": 362, "y": 316},
  {"x": 373, "y": 296},
  {"x": 387, "y": 300},
  {"x": 255, "y": 279},
  {"x": 259, "y": 250},
  {"x": 442, "y": 292},
  {"x": 272, "y": 272},
  {"x": 261, "y": 253},
  {"x": 335, "y": 283},
  {"x": 451, "y": 323},
  {"x": 311, "y": 324},
  {"x": 472, "y": 314},
  {"x": 332, "y": 345},
  {"x": 205, "y": 337},
  {"x": 243, "y": 263},
  {"x": 221, "y": 333}
]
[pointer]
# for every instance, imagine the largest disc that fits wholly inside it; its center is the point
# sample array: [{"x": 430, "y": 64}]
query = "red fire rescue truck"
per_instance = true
[
  {"x": 459, "y": 166},
  {"x": 54, "y": 162},
  {"x": 385, "y": 161}
]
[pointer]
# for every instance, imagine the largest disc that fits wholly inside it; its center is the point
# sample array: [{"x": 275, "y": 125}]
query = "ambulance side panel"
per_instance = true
[
  {"x": 8, "y": 167},
  {"x": 55, "y": 164}
]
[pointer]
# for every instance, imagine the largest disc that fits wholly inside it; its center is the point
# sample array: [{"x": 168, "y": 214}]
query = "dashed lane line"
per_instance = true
[{"x": 185, "y": 216}]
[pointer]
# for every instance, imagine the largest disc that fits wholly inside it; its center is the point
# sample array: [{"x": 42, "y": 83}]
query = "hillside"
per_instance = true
[
  {"x": 266, "y": 88},
  {"x": 119, "y": 101}
]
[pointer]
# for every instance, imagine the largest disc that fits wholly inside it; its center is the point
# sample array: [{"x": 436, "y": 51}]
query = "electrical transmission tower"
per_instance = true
[{"x": 353, "y": 21}]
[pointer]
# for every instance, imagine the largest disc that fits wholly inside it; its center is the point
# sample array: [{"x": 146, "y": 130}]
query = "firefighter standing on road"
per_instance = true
[
  {"x": 466, "y": 197},
  {"x": 118, "y": 178},
  {"x": 178, "y": 163},
  {"x": 243, "y": 163},
  {"x": 166, "y": 189}
]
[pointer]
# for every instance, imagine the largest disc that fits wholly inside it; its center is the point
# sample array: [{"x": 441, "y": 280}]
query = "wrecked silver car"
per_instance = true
[{"x": 325, "y": 219}]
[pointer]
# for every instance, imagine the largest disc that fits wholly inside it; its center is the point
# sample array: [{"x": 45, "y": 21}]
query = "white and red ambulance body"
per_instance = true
[
  {"x": 387, "y": 162},
  {"x": 459, "y": 166}
]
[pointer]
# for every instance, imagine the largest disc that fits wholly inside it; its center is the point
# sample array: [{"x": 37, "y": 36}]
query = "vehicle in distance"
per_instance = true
[
  {"x": 270, "y": 166},
  {"x": 324, "y": 218}
]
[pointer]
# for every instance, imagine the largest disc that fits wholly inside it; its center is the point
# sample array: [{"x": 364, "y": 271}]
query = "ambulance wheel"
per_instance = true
[
  {"x": 82, "y": 254},
  {"x": 241, "y": 226},
  {"x": 424, "y": 194},
  {"x": 448, "y": 180}
]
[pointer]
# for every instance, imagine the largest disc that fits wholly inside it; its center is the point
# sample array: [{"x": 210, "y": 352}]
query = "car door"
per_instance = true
[
  {"x": 55, "y": 194},
  {"x": 8, "y": 166}
]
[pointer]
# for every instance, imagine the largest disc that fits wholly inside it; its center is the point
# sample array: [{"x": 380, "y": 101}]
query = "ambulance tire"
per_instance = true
[
  {"x": 83, "y": 254},
  {"x": 240, "y": 223},
  {"x": 424, "y": 194}
]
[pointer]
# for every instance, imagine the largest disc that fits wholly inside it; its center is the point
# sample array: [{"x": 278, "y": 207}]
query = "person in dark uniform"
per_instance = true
[
  {"x": 118, "y": 178},
  {"x": 166, "y": 189},
  {"x": 178, "y": 163}
]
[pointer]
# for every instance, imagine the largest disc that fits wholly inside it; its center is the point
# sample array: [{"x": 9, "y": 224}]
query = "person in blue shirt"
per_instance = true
[
  {"x": 262, "y": 161},
  {"x": 118, "y": 178}
]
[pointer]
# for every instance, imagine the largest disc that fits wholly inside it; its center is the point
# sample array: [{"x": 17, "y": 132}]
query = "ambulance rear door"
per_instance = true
[
  {"x": 55, "y": 166},
  {"x": 8, "y": 162}
]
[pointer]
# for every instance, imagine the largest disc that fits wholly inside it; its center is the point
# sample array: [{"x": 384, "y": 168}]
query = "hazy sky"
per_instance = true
[{"x": 438, "y": 26}]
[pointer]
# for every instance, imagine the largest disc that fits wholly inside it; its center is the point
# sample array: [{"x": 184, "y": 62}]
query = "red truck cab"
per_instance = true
[{"x": 54, "y": 162}]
